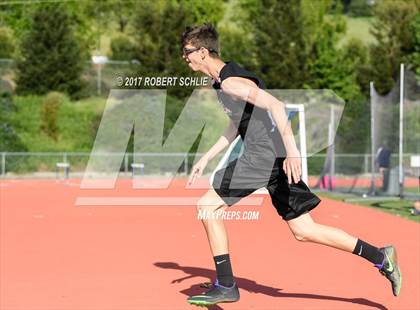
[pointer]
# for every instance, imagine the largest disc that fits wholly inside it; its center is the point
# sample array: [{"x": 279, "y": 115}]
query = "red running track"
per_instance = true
[{"x": 55, "y": 255}]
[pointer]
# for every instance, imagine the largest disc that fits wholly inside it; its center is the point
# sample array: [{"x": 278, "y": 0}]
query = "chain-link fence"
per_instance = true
[
  {"x": 21, "y": 163},
  {"x": 352, "y": 171},
  {"x": 50, "y": 164}
]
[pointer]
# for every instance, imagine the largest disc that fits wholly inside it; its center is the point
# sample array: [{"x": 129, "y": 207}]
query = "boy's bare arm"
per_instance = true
[{"x": 229, "y": 135}]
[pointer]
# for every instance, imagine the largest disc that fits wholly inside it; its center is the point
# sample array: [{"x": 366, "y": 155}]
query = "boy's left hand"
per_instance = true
[{"x": 292, "y": 167}]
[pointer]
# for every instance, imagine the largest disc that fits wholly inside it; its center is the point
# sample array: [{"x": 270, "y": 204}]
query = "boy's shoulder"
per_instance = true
[{"x": 232, "y": 69}]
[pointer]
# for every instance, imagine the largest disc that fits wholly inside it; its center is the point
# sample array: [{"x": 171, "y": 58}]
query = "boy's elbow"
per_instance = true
[{"x": 276, "y": 105}]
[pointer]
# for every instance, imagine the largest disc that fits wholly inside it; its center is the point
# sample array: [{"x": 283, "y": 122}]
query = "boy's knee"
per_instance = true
[
  {"x": 207, "y": 205},
  {"x": 303, "y": 234},
  {"x": 301, "y": 237}
]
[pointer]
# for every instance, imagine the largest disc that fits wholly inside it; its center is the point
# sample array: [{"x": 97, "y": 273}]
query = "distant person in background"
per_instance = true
[{"x": 382, "y": 160}]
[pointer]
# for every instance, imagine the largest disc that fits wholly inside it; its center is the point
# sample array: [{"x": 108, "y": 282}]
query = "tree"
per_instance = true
[
  {"x": 7, "y": 43},
  {"x": 332, "y": 68},
  {"x": 279, "y": 36},
  {"x": 122, "y": 11},
  {"x": 9, "y": 140},
  {"x": 395, "y": 41},
  {"x": 360, "y": 8},
  {"x": 123, "y": 47},
  {"x": 236, "y": 44},
  {"x": 336, "y": 68},
  {"x": 314, "y": 18},
  {"x": 15, "y": 16},
  {"x": 52, "y": 58},
  {"x": 18, "y": 15},
  {"x": 158, "y": 26},
  {"x": 156, "y": 33},
  {"x": 413, "y": 59}
]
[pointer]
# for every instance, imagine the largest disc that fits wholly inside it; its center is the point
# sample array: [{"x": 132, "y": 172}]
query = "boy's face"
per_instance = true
[{"x": 193, "y": 56}]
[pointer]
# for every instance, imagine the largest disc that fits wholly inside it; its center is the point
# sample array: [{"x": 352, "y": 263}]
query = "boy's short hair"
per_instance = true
[{"x": 202, "y": 36}]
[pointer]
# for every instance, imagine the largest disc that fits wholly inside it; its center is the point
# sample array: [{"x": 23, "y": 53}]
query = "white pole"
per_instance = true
[
  {"x": 332, "y": 146},
  {"x": 3, "y": 164},
  {"x": 186, "y": 164},
  {"x": 401, "y": 171},
  {"x": 372, "y": 140},
  {"x": 125, "y": 163},
  {"x": 303, "y": 151},
  {"x": 98, "y": 81}
]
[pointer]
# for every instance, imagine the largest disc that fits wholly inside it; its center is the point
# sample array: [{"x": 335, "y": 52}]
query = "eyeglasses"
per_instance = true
[{"x": 186, "y": 51}]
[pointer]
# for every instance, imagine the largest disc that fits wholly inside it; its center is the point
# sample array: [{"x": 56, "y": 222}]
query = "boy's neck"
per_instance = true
[{"x": 214, "y": 67}]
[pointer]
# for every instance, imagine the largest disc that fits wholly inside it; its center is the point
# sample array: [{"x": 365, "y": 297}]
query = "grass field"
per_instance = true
[
  {"x": 75, "y": 122},
  {"x": 399, "y": 207},
  {"x": 358, "y": 28}
]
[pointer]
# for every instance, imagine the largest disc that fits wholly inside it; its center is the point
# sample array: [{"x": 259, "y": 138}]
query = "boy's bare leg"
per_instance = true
[
  {"x": 225, "y": 288},
  {"x": 210, "y": 208},
  {"x": 305, "y": 229},
  {"x": 385, "y": 259},
  {"x": 214, "y": 227}
]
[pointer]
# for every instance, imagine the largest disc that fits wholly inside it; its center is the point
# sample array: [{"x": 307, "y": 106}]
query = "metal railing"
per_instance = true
[{"x": 29, "y": 162}]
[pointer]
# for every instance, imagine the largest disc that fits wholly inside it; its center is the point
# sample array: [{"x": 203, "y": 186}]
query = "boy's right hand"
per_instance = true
[{"x": 197, "y": 170}]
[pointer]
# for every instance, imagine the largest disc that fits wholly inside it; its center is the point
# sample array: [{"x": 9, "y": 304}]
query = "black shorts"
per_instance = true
[{"x": 244, "y": 175}]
